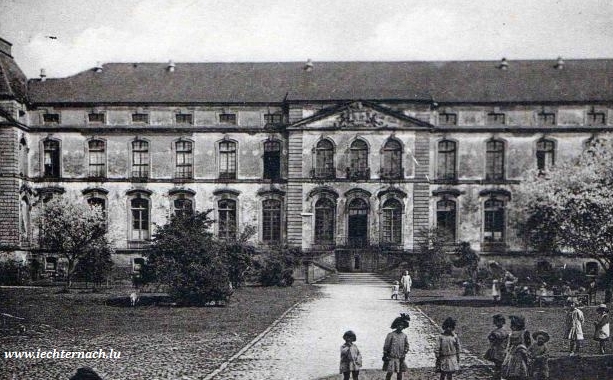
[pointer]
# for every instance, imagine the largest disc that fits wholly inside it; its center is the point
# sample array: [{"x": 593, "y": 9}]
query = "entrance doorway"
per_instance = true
[{"x": 358, "y": 223}]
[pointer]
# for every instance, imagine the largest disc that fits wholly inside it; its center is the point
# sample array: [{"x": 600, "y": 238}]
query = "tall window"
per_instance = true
[
  {"x": 392, "y": 222},
  {"x": 271, "y": 220},
  {"x": 446, "y": 218},
  {"x": 325, "y": 213},
  {"x": 392, "y": 160},
  {"x": 51, "y": 159},
  {"x": 23, "y": 157},
  {"x": 358, "y": 160},
  {"x": 98, "y": 201},
  {"x": 139, "y": 209},
  {"x": 493, "y": 219},
  {"x": 97, "y": 158},
  {"x": 545, "y": 154},
  {"x": 140, "y": 159},
  {"x": 446, "y": 159},
  {"x": 324, "y": 160},
  {"x": 494, "y": 157},
  {"x": 182, "y": 205},
  {"x": 227, "y": 160},
  {"x": 184, "y": 159},
  {"x": 226, "y": 209},
  {"x": 272, "y": 160}
]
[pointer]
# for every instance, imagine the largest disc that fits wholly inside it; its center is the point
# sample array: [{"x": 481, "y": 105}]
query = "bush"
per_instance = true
[
  {"x": 276, "y": 267},
  {"x": 13, "y": 273}
]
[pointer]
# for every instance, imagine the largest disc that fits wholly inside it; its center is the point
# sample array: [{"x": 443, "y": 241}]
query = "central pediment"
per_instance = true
[{"x": 360, "y": 115}]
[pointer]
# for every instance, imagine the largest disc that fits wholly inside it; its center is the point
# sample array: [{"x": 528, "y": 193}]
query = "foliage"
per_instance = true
[
  {"x": 276, "y": 267},
  {"x": 432, "y": 257},
  {"x": 197, "y": 267},
  {"x": 73, "y": 230},
  {"x": 467, "y": 258},
  {"x": 568, "y": 208},
  {"x": 13, "y": 273},
  {"x": 96, "y": 266}
]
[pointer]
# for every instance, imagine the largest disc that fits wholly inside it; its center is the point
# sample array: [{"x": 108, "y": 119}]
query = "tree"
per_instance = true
[
  {"x": 468, "y": 258},
  {"x": 197, "y": 267},
  {"x": 432, "y": 256},
  {"x": 568, "y": 207},
  {"x": 72, "y": 230},
  {"x": 95, "y": 266}
]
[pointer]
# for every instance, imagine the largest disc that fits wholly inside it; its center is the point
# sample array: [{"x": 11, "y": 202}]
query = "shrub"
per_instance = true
[
  {"x": 13, "y": 273},
  {"x": 277, "y": 265},
  {"x": 433, "y": 261}
]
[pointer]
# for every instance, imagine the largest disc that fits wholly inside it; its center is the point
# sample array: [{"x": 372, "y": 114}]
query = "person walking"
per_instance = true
[
  {"x": 351, "y": 359},
  {"x": 395, "y": 290},
  {"x": 406, "y": 283},
  {"x": 601, "y": 327},
  {"x": 395, "y": 348},
  {"x": 515, "y": 364},
  {"x": 538, "y": 354},
  {"x": 574, "y": 328},
  {"x": 498, "y": 339},
  {"x": 448, "y": 350}
]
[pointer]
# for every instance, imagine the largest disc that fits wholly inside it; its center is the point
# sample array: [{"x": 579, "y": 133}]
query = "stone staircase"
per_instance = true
[{"x": 357, "y": 278}]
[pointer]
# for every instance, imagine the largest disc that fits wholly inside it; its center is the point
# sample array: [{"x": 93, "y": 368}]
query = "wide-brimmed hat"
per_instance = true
[
  {"x": 541, "y": 333},
  {"x": 602, "y": 306},
  {"x": 402, "y": 321},
  {"x": 351, "y": 335}
]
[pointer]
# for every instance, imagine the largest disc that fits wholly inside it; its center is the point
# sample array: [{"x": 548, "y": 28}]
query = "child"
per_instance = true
[
  {"x": 351, "y": 360},
  {"x": 515, "y": 364},
  {"x": 448, "y": 352},
  {"x": 574, "y": 328},
  {"x": 395, "y": 289},
  {"x": 395, "y": 348},
  {"x": 498, "y": 344},
  {"x": 601, "y": 326},
  {"x": 539, "y": 354}
]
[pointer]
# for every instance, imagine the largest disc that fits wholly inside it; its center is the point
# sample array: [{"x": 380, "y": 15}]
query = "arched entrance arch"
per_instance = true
[{"x": 357, "y": 223}]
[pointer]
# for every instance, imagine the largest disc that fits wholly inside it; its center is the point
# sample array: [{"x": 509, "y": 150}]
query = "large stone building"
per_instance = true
[{"x": 333, "y": 157}]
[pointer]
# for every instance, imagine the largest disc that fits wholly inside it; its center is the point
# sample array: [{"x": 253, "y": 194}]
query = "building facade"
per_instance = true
[{"x": 334, "y": 157}]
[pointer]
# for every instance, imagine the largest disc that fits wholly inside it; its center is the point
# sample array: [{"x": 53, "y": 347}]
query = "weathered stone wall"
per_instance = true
[{"x": 9, "y": 187}]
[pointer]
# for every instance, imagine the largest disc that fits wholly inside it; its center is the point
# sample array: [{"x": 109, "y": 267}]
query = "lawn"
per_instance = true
[{"x": 154, "y": 341}]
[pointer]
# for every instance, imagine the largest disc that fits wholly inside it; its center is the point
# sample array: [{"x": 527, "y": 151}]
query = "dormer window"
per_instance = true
[
  {"x": 51, "y": 118},
  {"x": 96, "y": 117},
  {"x": 547, "y": 118},
  {"x": 227, "y": 118},
  {"x": 184, "y": 118},
  {"x": 141, "y": 118},
  {"x": 446, "y": 118},
  {"x": 596, "y": 118},
  {"x": 496, "y": 118}
]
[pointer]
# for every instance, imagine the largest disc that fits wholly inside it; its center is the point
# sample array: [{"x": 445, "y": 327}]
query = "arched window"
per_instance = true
[
  {"x": 446, "y": 218},
  {"x": 391, "y": 167},
  {"x": 494, "y": 221},
  {"x": 51, "y": 159},
  {"x": 23, "y": 157},
  {"x": 140, "y": 218},
  {"x": 227, "y": 160},
  {"x": 545, "y": 154},
  {"x": 324, "y": 160},
  {"x": 358, "y": 160},
  {"x": 182, "y": 205},
  {"x": 226, "y": 209},
  {"x": 494, "y": 160},
  {"x": 325, "y": 214},
  {"x": 24, "y": 221},
  {"x": 446, "y": 159},
  {"x": 272, "y": 160},
  {"x": 184, "y": 159},
  {"x": 271, "y": 220},
  {"x": 97, "y": 158},
  {"x": 391, "y": 220},
  {"x": 140, "y": 159}
]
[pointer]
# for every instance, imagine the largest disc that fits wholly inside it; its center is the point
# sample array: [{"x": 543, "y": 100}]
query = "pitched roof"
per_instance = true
[
  {"x": 454, "y": 81},
  {"x": 13, "y": 82}
]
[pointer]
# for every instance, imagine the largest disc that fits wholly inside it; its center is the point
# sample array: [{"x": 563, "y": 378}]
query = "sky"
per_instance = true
[{"x": 89, "y": 31}]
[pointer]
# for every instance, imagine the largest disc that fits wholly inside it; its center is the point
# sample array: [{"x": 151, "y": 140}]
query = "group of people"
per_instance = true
[
  {"x": 516, "y": 354},
  {"x": 406, "y": 282}
]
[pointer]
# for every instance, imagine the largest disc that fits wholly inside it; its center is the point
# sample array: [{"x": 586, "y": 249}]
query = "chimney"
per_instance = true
[
  {"x": 559, "y": 64},
  {"x": 308, "y": 65},
  {"x": 503, "y": 64},
  {"x": 171, "y": 66},
  {"x": 43, "y": 75},
  {"x": 98, "y": 67},
  {"x": 5, "y": 47}
]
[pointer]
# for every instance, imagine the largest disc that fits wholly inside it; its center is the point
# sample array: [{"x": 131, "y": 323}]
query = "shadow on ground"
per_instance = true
[{"x": 427, "y": 373}]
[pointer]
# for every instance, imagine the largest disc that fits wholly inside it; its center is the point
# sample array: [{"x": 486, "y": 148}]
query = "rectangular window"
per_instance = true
[
  {"x": 494, "y": 161},
  {"x": 446, "y": 160},
  {"x": 97, "y": 159},
  {"x": 140, "y": 159},
  {"x": 494, "y": 118},
  {"x": 51, "y": 159},
  {"x": 271, "y": 221},
  {"x": 273, "y": 118},
  {"x": 184, "y": 159},
  {"x": 448, "y": 118},
  {"x": 184, "y": 118},
  {"x": 227, "y": 160},
  {"x": 272, "y": 160},
  {"x": 227, "y": 118},
  {"x": 596, "y": 118},
  {"x": 493, "y": 229},
  {"x": 51, "y": 118},
  {"x": 547, "y": 118},
  {"x": 140, "y": 118},
  {"x": 95, "y": 118}
]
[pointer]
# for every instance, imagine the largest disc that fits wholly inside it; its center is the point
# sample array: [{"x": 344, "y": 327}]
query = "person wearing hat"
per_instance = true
[
  {"x": 351, "y": 359},
  {"x": 395, "y": 348},
  {"x": 601, "y": 327},
  {"x": 538, "y": 355}
]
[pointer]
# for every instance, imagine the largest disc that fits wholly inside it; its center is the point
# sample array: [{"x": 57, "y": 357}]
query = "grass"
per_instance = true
[{"x": 152, "y": 338}]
